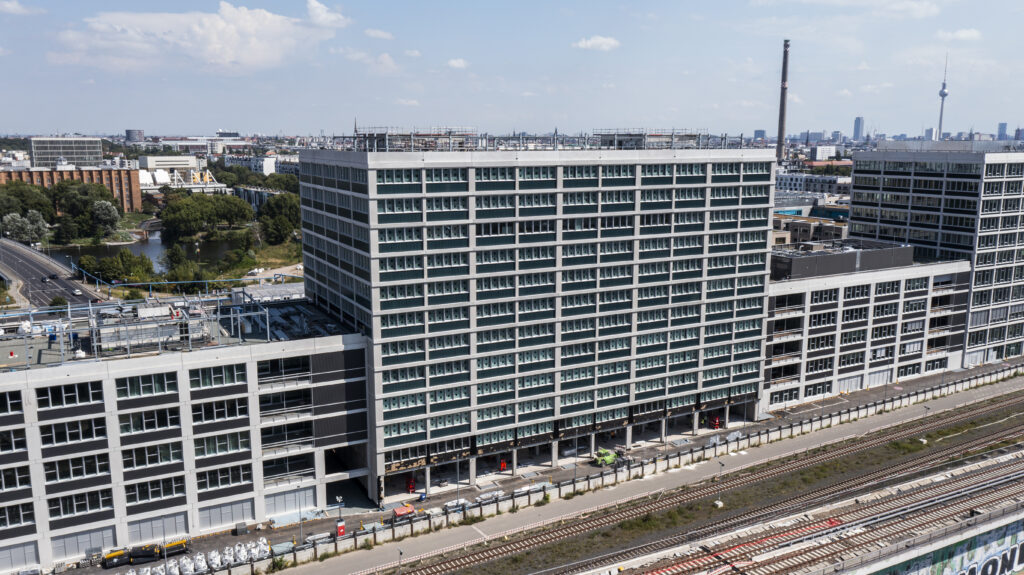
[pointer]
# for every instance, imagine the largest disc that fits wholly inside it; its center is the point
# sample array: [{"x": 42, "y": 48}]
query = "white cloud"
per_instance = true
[
  {"x": 16, "y": 7},
  {"x": 845, "y": 93},
  {"x": 794, "y": 98},
  {"x": 321, "y": 15},
  {"x": 233, "y": 40},
  {"x": 863, "y": 66},
  {"x": 875, "y": 88},
  {"x": 608, "y": 85},
  {"x": 382, "y": 64},
  {"x": 413, "y": 53},
  {"x": 916, "y": 9},
  {"x": 528, "y": 94},
  {"x": 4, "y": 51},
  {"x": 602, "y": 43},
  {"x": 378, "y": 34},
  {"x": 962, "y": 34},
  {"x": 407, "y": 102},
  {"x": 458, "y": 63}
]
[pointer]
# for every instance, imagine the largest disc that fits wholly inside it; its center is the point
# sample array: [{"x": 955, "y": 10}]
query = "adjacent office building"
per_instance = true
[
  {"x": 850, "y": 315},
  {"x": 124, "y": 184},
  {"x": 954, "y": 200},
  {"x": 74, "y": 150},
  {"x": 131, "y": 424},
  {"x": 521, "y": 300}
]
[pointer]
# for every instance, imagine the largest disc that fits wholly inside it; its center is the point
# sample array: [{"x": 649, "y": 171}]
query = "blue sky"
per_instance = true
[{"x": 299, "y": 66}]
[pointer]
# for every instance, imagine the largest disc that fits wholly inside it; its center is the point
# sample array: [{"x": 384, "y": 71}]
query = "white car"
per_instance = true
[
  {"x": 490, "y": 496},
  {"x": 456, "y": 504},
  {"x": 76, "y": 291}
]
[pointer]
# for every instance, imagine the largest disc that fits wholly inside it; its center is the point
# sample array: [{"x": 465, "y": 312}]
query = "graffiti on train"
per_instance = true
[{"x": 994, "y": 552}]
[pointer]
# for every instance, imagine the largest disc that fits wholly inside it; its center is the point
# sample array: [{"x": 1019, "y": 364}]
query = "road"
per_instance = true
[{"x": 31, "y": 266}]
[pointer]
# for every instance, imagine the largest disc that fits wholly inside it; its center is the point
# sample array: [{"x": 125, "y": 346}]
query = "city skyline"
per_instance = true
[{"x": 181, "y": 68}]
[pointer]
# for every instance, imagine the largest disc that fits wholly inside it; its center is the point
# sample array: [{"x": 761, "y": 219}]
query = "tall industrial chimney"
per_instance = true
[{"x": 780, "y": 147}]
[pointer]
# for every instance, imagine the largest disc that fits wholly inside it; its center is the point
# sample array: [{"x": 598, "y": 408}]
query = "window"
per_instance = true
[
  {"x": 154, "y": 490},
  {"x": 886, "y": 310},
  {"x": 915, "y": 305},
  {"x": 821, "y": 342},
  {"x": 823, "y": 319},
  {"x": 80, "y": 503},
  {"x": 12, "y": 440},
  {"x": 151, "y": 455},
  {"x": 151, "y": 384},
  {"x": 446, "y": 175},
  {"x": 883, "y": 331},
  {"x": 855, "y": 314},
  {"x": 848, "y": 359},
  {"x": 915, "y": 326},
  {"x": 825, "y": 296},
  {"x": 911, "y": 347},
  {"x": 149, "y": 420},
  {"x": 14, "y": 478},
  {"x": 220, "y": 410},
  {"x": 76, "y": 468},
  {"x": 618, "y": 171},
  {"x": 218, "y": 375},
  {"x": 71, "y": 394},
  {"x": 223, "y": 477},
  {"x": 819, "y": 365},
  {"x": 20, "y": 514},
  {"x": 495, "y": 174},
  {"x": 537, "y": 173},
  {"x": 882, "y": 353},
  {"x": 579, "y": 173},
  {"x": 10, "y": 402},
  {"x": 856, "y": 292},
  {"x": 69, "y": 432}
]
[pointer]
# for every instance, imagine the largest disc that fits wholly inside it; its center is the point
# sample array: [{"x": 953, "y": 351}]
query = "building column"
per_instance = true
[
  {"x": 664, "y": 431},
  {"x": 515, "y": 460},
  {"x": 472, "y": 471},
  {"x": 725, "y": 423},
  {"x": 629, "y": 435},
  {"x": 695, "y": 419},
  {"x": 426, "y": 480},
  {"x": 554, "y": 454},
  {"x": 593, "y": 444}
]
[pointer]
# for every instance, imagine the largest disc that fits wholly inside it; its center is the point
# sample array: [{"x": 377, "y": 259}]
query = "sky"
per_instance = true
[{"x": 296, "y": 67}]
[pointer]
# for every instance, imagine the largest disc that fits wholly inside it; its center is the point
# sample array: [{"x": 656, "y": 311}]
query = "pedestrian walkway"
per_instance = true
[{"x": 465, "y": 536}]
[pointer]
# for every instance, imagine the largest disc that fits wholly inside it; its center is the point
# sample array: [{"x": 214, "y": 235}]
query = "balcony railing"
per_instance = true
[{"x": 291, "y": 478}]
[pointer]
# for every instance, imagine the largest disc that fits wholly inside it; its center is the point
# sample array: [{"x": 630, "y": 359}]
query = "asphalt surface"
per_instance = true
[{"x": 30, "y": 266}]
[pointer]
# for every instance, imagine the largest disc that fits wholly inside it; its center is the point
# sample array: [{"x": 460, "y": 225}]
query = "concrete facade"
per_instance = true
[
  {"x": 76, "y": 151},
  {"x": 520, "y": 299}
]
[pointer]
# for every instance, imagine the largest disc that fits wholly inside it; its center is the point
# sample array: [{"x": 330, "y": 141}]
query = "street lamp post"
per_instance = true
[
  {"x": 575, "y": 460},
  {"x": 399, "y": 561},
  {"x": 340, "y": 500}
]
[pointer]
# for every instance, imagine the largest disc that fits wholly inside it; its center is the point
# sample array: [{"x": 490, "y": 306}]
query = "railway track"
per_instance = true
[
  {"x": 792, "y": 505},
  {"x": 730, "y": 482},
  {"x": 791, "y": 542}
]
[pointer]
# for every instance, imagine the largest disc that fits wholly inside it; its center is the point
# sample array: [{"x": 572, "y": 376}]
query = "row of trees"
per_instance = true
[
  {"x": 240, "y": 175},
  {"x": 78, "y": 210},
  {"x": 279, "y": 217}
]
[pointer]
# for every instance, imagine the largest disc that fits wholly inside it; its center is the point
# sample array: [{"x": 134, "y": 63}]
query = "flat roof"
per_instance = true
[{"x": 115, "y": 330}]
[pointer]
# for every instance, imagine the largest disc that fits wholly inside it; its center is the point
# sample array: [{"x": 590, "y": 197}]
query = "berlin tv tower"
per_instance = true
[{"x": 942, "y": 94}]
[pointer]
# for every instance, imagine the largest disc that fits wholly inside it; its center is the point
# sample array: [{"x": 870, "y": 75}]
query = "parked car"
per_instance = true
[
  {"x": 456, "y": 504},
  {"x": 490, "y": 496}
]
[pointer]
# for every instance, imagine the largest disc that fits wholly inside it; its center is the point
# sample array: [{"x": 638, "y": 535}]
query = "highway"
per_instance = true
[{"x": 30, "y": 266}]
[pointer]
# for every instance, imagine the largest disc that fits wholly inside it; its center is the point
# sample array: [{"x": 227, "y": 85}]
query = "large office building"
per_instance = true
[
  {"x": 858, "y": 128},
  {"x": 125, "y": 424},
  {"x": 73, "y": 150},
  {"x": 522, "y": 299},
  {"x": 850, "y": 315},
  {"x": 954, "y": 200}
]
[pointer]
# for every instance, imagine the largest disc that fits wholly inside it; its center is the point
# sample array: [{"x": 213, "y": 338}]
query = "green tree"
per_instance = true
[
  {"x": 88, "y": 264},
  {"x": 29, "y": 229},
  {"x": 174, "y": 256},
  {"x": 67, "y": 230},
  {"x": 104, "y": 217},
  {"x": 286, "y": 182},
  {"x": 229, "y": 179},
  {"x": 58, "y": 301}
]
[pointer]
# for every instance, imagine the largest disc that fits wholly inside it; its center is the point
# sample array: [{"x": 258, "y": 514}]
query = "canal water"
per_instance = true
[{"x": 209, "y": 251}]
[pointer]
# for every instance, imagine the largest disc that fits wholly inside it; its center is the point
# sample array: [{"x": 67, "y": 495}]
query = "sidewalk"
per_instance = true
[{"x": 464, "y": 536}]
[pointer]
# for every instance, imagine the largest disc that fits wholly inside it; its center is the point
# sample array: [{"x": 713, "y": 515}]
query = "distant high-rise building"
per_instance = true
[
  {"x": 1002, "y": 131},
  {"x": 929, "y": 134},
  {"x": 759, "y": 134},
  {"x": 837, "y": 136},
  {"x": 227, "y": 134},
  {"x": 78, "y": 151},
  {"x": 1018, "y": 134},
  {"x": 858, "y": 128},
  {"x": 134, "y": 136}
]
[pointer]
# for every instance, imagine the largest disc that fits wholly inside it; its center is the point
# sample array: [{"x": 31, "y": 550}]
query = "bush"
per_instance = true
[
  {"x": 58, "y": 301},
  {"x": 278, "y": 564},
  {"x": 543, "y": 500},
  {"x": 367, "y": 544}
]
